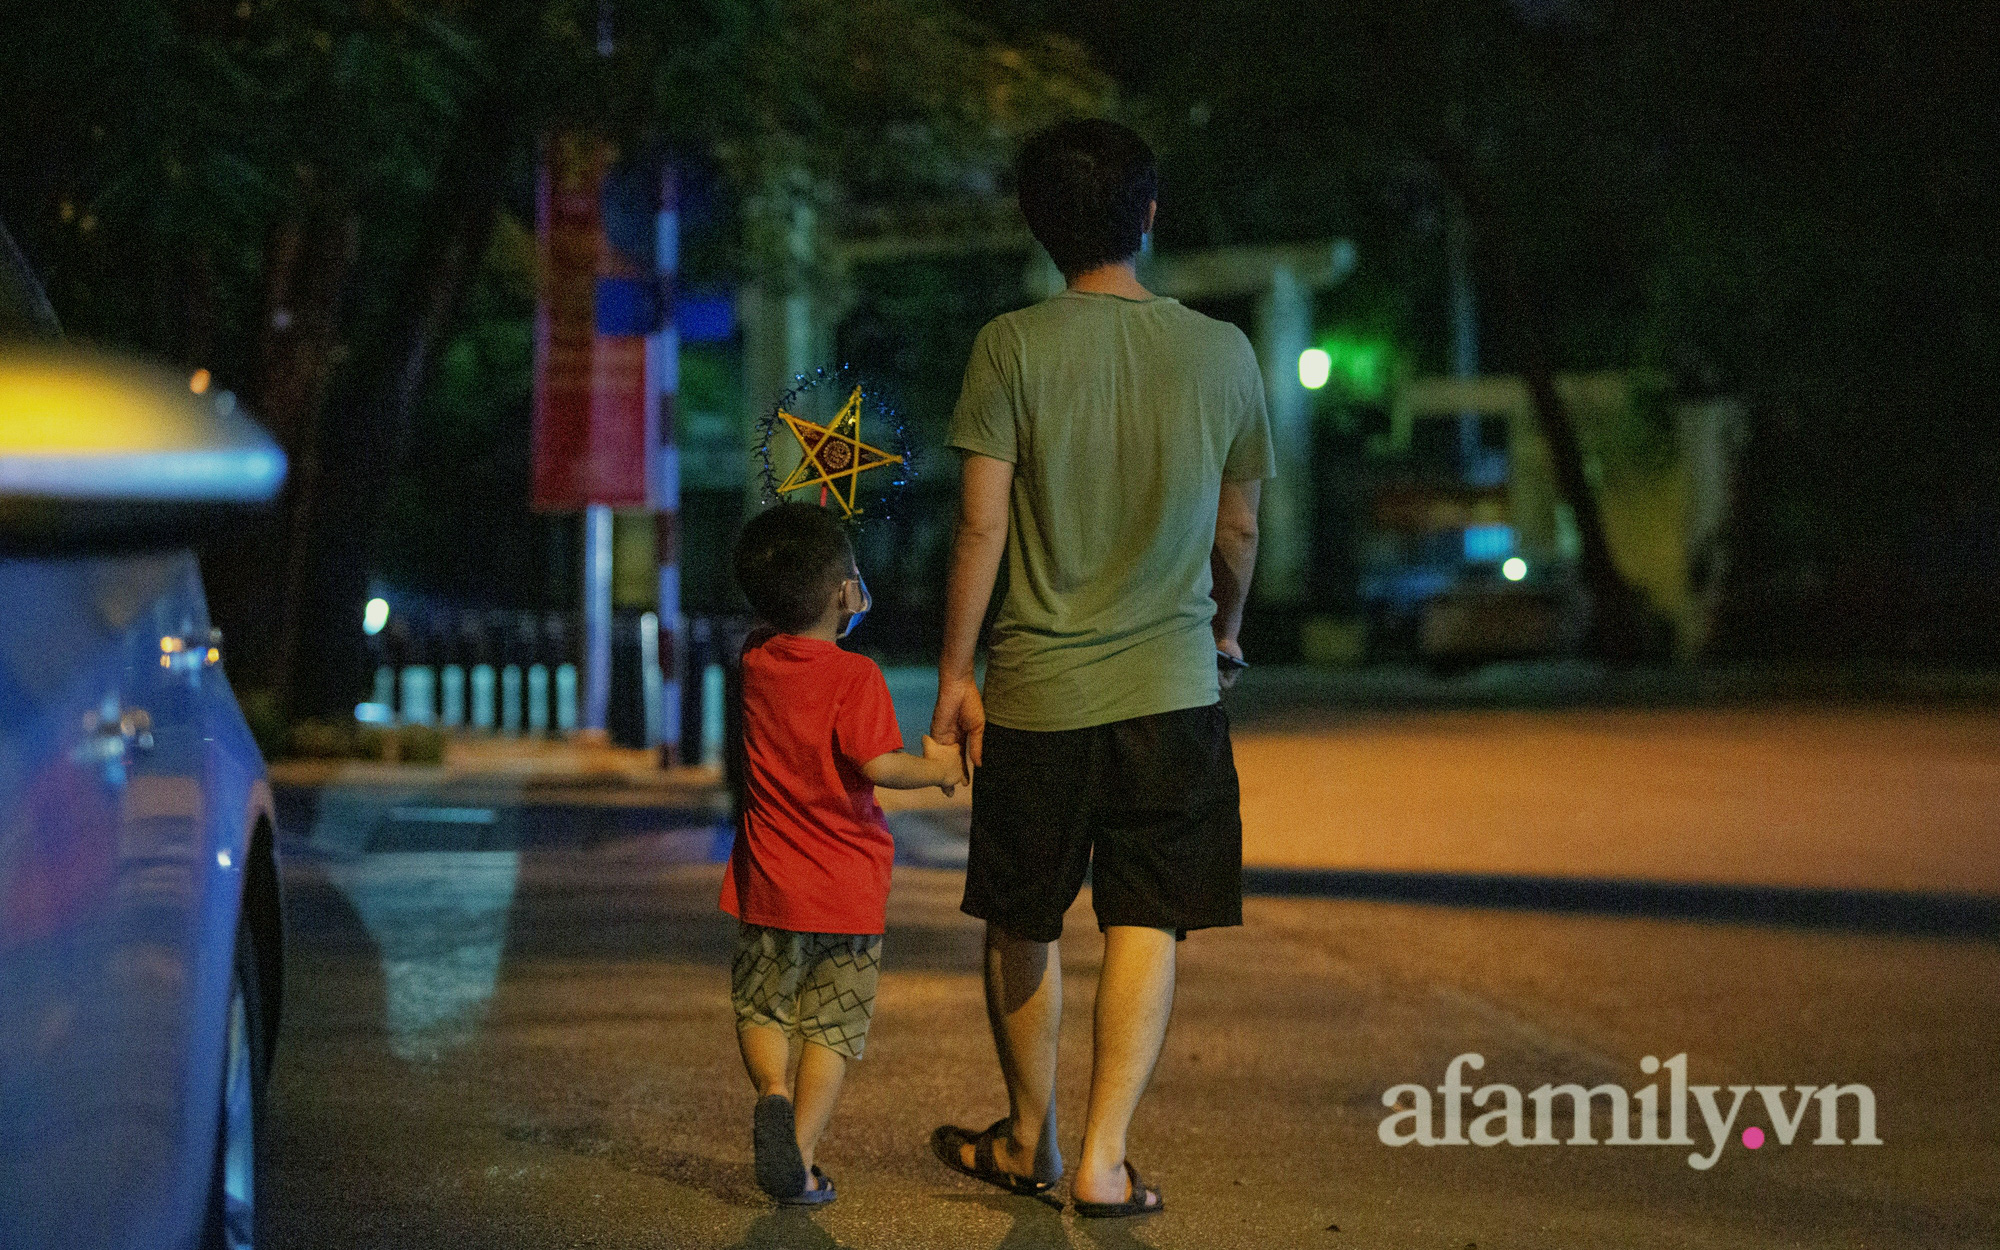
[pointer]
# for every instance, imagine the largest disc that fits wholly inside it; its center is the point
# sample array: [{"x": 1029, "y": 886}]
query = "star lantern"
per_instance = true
[{"x": 834, "y": 455}]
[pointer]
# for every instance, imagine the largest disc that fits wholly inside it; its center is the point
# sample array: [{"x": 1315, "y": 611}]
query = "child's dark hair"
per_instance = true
[
  {"x": 1084, "y": 187},
  {"x": 788, "y": 561}
]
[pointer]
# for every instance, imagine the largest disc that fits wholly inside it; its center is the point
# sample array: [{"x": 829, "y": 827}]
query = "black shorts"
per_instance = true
[{"x": 1146, "y": 806}]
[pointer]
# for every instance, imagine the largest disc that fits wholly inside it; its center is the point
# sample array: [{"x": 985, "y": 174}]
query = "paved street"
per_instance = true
[
  {"x": 508, "y": 1022},
  {"x": 1847, "y": 798}
]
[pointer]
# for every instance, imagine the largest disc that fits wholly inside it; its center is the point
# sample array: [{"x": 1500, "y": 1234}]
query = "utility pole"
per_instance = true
[
  {"x": 597, "y": 553},
  {"x": 596, "y": 621},
  {"x": 1284, "y": 329},
  {"x": 663, "y": 372},
  {"x": 596, "y": 433},
  {"x": 1464, "y": 328}
]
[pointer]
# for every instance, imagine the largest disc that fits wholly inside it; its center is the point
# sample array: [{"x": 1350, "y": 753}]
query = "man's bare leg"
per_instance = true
[
  {"x": 1024, "y": 1010},
  {"x": 1135, "y": 998},
  {"x": 821, "y": 1074}
]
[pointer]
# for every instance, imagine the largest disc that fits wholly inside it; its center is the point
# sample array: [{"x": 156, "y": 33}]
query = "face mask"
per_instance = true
[{"x": 866, "y": 603}]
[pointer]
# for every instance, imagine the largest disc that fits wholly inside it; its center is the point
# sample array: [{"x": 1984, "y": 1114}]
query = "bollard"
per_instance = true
[
  {"x": 713, "y": 680},
  {"x": 652, "y": 691},
  {"x": 510, "y": 700},
  {"x": 482, "y": 698},
  {"x": 418, "y": 684},
  {"x": 566, "y": 701},
  {"x": 538, "y": 700},
  {"x": 451, "y": 686},
  {"x": 471, "y": 653}
]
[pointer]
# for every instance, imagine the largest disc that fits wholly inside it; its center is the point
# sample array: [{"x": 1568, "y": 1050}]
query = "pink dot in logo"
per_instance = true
[{"x": 1753, "y": 1137}]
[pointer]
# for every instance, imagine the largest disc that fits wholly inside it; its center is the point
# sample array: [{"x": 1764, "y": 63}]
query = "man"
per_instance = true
[{"x": 1115, "y": 444}]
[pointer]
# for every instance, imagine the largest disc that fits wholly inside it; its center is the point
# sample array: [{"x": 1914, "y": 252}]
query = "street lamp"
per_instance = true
[{"x": 1315, "y": 366}]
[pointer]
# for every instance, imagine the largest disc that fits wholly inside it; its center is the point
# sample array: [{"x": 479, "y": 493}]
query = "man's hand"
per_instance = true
[
  {"x": 952, "y": 757},
  {"x": 1231, "y": 563},
  {"x": 1227, "y": 676},
  {"x": 976, "y": 548},
  {"x": 960, "y": 719}
]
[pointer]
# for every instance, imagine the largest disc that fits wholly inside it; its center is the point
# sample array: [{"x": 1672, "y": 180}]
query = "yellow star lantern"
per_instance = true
[{"x": 835, "y": 456}]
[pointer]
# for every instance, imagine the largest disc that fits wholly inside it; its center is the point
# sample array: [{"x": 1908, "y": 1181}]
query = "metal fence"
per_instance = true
[{"x": 514, "y": 674}]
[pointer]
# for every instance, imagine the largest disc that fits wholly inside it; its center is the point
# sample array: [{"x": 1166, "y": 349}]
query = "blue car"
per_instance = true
[{"x": 140, "y": 920}]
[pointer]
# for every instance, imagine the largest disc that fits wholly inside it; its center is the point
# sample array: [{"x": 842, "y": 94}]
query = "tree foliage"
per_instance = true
[
  {"x": 294, "y": 193},
  {"x": 1786, "y": 201}
]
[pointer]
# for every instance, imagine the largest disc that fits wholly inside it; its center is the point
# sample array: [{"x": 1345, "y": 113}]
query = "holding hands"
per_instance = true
[
  {"x": 958, "y": 725},
  {"x": 951, "y": 759},
  {"x": 960, "y": 718},
  {"x": 942, "y": 764}
]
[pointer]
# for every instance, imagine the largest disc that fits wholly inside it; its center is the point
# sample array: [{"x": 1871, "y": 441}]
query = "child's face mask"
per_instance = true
[{"x": 866, "y": 603}]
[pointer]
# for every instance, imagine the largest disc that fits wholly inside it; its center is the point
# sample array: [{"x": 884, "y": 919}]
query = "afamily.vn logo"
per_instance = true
[{"x": 1507, "y": 1124}]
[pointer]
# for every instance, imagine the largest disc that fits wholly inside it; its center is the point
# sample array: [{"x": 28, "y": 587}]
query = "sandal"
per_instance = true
[
  {"x": 948, "y": 1142},
  {"x": 1134, "y": 1205},
  {"x": 820, "y": 1194}
]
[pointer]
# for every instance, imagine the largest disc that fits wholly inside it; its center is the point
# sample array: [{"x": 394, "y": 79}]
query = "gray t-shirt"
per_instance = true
[{"x": 1122, "y": 419}]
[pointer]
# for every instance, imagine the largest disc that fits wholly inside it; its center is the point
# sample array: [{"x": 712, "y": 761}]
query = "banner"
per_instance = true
[{"x": 594, "y": 432}]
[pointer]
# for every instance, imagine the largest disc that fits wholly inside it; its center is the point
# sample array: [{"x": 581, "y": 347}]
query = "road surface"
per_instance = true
[{"x": 513, "y": 1034}]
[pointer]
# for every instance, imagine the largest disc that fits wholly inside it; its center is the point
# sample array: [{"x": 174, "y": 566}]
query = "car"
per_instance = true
[{"x": 141, "y": 957}]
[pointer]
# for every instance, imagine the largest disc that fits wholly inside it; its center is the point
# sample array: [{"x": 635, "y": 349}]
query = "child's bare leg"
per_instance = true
[
  {"x": 766, "y": 1055},
  {"x": 821, "y": 1074}
]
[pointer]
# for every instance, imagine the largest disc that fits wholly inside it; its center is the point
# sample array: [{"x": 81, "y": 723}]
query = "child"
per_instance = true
[{"x": 809, "y": 875}]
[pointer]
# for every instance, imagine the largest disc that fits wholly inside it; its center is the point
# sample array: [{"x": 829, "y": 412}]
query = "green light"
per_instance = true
[
  {"x": 1363, "y": 364},
  {"x": 1515, "y": 569},
  {"x": 1314, "y": 368}
]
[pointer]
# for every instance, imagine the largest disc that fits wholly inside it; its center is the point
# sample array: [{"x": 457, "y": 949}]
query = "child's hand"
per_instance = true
[{"x": 953, "y": 758}]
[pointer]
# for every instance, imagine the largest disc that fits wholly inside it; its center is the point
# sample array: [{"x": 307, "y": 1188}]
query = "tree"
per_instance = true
[
  {"x": 195, "y": 182},
  {"x": 293, "y": 193}
]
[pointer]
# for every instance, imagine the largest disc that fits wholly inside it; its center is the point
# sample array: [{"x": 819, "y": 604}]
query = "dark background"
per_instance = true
[{"x": 1789, "y": 203}]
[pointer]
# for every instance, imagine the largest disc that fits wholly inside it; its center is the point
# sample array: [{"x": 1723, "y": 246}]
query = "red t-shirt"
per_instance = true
[{"x": 814, "y": 851}]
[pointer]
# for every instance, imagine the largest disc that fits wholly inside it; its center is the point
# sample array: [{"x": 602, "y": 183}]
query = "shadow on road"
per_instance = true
[
  {"x": 336, "y": 1004},
  {"x": 788, "y": 1228},
  {"x": 1869, "y": 911},
  {"x": 1038, "y": 1226},
  {"x": 938, "y": 838},
  {"x": 1115, "y": 1234}
]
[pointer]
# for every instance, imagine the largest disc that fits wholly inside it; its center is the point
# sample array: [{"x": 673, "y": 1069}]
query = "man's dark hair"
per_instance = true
[
  {"x": 1084, "y": 188},
  {"x": 788, "y": 561}
]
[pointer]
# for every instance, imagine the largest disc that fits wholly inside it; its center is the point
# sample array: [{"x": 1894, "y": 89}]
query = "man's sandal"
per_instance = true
[
  {"x": 949, "y": 1141},
  {"x": 1137, "y": 1204}
]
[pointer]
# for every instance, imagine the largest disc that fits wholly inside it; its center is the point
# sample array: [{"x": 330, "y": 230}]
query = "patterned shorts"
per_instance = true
[{"x": 819, "y": 985}]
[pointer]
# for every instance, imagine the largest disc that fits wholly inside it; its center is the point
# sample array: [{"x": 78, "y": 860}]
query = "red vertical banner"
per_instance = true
[{"x": 591, "y": 426}]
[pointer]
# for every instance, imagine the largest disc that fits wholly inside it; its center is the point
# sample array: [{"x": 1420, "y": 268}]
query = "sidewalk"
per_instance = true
[
  {"x": 500, "y": 795},
  {"x": 1266, "y": 697},
  {"x": 545, "y": 769},
  {"x": 1711, "y": 780},
  {"x": 1276, "y": 695}
]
